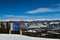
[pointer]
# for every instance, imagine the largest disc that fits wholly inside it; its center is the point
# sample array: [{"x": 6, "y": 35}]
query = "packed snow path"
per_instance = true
[{"x": 20, "y": 37}]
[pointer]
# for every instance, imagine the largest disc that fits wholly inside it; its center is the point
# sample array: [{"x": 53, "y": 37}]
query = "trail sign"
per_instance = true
[{"x": 16, "y": 26}]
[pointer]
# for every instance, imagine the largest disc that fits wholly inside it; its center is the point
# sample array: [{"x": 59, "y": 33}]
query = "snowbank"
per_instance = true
[{"x": 20, "y": 37}]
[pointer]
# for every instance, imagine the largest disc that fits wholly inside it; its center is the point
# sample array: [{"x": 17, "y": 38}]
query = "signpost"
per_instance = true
[{"x": 16, "y": 26}]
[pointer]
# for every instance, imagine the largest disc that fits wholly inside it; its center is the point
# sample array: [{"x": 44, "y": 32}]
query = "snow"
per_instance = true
[
  {"x": 20, "y": 37},
  {"x": 28, "y": 19}
]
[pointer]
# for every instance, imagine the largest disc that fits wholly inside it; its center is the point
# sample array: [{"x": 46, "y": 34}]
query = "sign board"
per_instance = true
[{"x": 16, "y": 26}]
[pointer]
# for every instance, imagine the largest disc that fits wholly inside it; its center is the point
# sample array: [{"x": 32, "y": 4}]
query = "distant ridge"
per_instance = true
[{"x": 27, "y": 19}]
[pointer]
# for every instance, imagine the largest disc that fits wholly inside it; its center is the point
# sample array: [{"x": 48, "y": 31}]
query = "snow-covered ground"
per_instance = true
[{"x": 20, "y": 37}]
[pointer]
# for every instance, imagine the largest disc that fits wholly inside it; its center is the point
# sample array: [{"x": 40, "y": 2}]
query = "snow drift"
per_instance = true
[{"x": 20, "y": 37}]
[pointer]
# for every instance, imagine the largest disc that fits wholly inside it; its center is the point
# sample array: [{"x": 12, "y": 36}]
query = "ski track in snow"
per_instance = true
[{"x": 21, "y": 37}]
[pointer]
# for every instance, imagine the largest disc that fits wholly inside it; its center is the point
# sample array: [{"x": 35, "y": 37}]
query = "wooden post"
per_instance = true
[
  {"x": 10, "y": 27},
  {"x": 20, "y": 27}
]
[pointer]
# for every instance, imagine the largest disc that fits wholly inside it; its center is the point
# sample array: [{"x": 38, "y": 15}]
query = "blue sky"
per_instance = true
[{"x": 44, "y": 9}]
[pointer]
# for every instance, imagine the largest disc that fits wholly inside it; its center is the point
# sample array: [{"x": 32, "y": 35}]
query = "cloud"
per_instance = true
[
  {"x": 54, "y": 8},
  {"x": 56, "y": 5},
  {"x": 9, "y": 15},
  {"x": 42, "y": 10},
  {"x": 57, "y": 15},
  {"x": 20, "y": 17},
  {"x": 16, "y": 17}
]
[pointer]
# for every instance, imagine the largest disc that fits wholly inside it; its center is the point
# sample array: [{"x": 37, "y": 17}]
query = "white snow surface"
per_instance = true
[{"x": 21, "y": 37}]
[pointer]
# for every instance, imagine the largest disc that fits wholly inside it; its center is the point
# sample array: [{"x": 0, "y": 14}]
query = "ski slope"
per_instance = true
[{"x": 20, "y": 37}]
